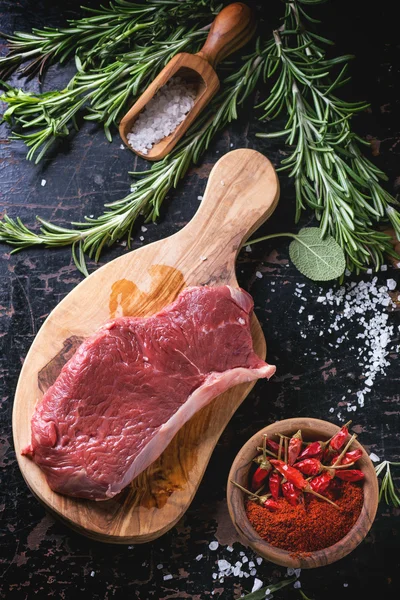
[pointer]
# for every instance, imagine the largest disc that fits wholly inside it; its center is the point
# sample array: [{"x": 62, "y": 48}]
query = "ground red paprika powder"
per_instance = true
[{"x": 311, "y": 526}]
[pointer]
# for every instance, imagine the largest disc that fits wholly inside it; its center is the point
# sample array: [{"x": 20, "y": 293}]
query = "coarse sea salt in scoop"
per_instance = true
[{"x": 165, "y": 111}]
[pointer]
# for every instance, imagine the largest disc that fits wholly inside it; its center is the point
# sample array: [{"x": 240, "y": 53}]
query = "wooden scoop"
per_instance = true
[
  {"x": 241, "y": 193},
  {"x": 232, "y": 29}
]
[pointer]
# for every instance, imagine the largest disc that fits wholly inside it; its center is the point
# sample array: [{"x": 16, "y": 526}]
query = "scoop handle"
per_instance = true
[{"x": 232, "y": 28}]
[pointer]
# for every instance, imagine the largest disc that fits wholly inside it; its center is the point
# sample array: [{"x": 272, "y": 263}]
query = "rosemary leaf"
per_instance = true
[
  {"x": 387, "y": 490},
  {"x": 151, "y": 186},
  {"x": 331, "y": 175},
  {"x": 98, "y": 38},
  {"x": 104, "y": 93}
]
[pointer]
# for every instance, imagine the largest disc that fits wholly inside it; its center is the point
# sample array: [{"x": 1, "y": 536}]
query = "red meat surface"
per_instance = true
[{"x": 130, "y": 387}]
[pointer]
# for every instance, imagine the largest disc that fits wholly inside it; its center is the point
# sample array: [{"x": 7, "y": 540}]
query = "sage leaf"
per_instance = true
[{"x": 318, "y": 258}]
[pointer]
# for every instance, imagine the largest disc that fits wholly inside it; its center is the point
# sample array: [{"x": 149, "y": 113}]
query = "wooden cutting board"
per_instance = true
[{"x": 242, "y": 192}]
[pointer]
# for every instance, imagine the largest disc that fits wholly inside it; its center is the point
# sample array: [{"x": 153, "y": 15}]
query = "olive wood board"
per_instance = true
[{"x": 241, "y": 193}]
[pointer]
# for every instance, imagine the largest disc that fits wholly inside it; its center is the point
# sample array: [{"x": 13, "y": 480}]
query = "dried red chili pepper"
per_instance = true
[
  {"x": 275, "y": 480},
  {"x": 337, "y": 460},
  {"x": 309, "y": 466},
  {"x": 271, "y": 504},
  {"x": 291, "y": 494},
  {"x": 260, "y": 476},
  {"x": 291, "y": 474},
  {"x": 321, "y": 482},
  {"x": 313, "y": 450},
  {"x": 294, "y": 450},
  {"x": 350, "y": 457},
  {"x": 350, "y": 475},
  {"x": 271, "y": 445},
  {"x": 261, "y": 473},
  {"x": 336, "y": 443},
  {"x": 313, "y": 466}
]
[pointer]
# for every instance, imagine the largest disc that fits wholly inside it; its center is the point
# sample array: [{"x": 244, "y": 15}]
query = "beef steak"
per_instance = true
[{"x": 130, "y": 387}]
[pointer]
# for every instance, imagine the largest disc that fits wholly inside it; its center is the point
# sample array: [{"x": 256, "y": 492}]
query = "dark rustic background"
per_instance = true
[{"x": 41, "y": 557}]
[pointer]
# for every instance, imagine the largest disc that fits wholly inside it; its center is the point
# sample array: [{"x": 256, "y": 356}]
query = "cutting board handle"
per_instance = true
[
  {"x": 233, "y": 28},
  {"x": 241, "y": 193}
]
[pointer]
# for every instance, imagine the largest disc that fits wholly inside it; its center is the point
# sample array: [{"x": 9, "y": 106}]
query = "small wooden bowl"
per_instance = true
[{"x": 312, "y": 429}]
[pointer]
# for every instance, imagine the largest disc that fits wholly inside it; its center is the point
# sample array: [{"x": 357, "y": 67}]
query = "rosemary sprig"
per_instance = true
[
  {"x": 104, "y": 33},
  {"x": 104, "y": 92},
  {"x": 90, "y": 237},
  {"x": 331, "y": 175},
  {"x": 387, "y": 489}
]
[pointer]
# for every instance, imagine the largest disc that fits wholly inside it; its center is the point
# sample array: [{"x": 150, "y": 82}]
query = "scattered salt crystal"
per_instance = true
[
  {"x": 214, "y": 575},
  {"x": 143, "y": 228},
  {"x": 242, "y": 322},
  {"x": 160, "y": 566},
  {"x": 213, "y": 545},
  {"x": 199, "y": 557},
  {"x": 245, "y": 560},
  {"x": 162, "y": 114},
  {"x": 297, "y": 585},
  {"x": 200, "y": 198},
  {"x": 92, "y": 574},
  {"x": 203, "y": 258},
  {"x": 43, "y": 182},
  {"x": 384, "y": 268},
  {"x": 222, "y": 182},
  {"x": 259, "y": 560},
  {"x": 297, "y": 572},
  {"x": 257, "y": 585},
  {"x": 374, "y": 457},
  {"x": 141, "y": 238},
  {"x": 363, "y": 305},
  {"x": 251, "y": 564},
  {"x": 259, "y": 274},
  {"x": 290, "y": 571},
  {"x": 369, "y": 271},
  {"x": 310, "y": 318},
  {"x": 391, "y": 283},
  {"x": 229, "y": 548},
  {"x": 167, "y": 577},
  {"x": 345, "y": 585},
  {"x": 253, "y": 572},
  {"x": 248, "y": 249},
  {"x": 331, "y": 410},
  {"x": 122, "y": 147}
]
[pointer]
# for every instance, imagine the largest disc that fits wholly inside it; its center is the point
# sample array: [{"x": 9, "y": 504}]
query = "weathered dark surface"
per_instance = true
[{"x": 41, "y": 557}]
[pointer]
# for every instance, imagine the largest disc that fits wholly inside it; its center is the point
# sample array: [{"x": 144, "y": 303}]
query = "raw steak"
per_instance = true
[{"x": 128, "y": 389}]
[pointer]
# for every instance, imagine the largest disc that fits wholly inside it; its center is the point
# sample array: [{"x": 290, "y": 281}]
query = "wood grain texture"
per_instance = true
[
  {"x": 241, "y": 193},
  {"x": 233, "y": 28},
  {"x": 312, "y": 429}
]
